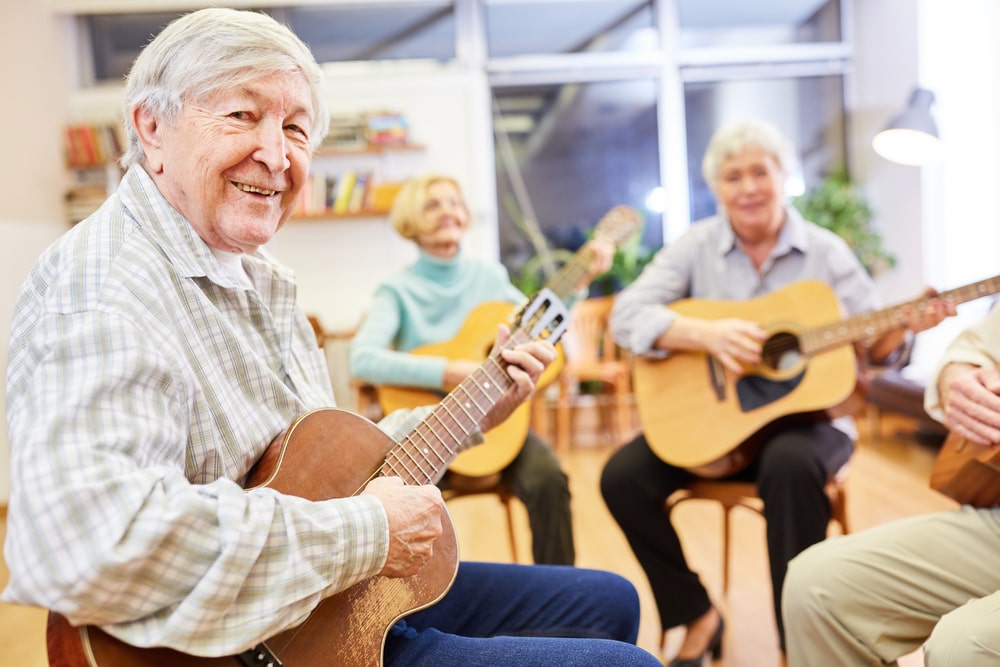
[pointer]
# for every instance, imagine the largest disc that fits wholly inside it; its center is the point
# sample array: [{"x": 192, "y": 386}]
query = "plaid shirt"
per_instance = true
[{"x": 143, "y": 383}]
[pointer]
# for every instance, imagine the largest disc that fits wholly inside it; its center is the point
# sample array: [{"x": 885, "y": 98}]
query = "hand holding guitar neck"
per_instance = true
[{"x": 525, "y": 363}]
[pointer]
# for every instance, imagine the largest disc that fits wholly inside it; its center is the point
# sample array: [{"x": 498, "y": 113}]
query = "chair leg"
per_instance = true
[
  {"x": 726, "y": 509},
  {"x": 563, "y": 422},
  {"x": 506, "y": 499},
  {"x": 624, "y": 413}
]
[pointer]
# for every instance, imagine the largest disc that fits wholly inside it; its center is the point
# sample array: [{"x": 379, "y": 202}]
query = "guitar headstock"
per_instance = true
[
  {"x": 618, "y": 224},
  {"x": 544, "y": 317}
]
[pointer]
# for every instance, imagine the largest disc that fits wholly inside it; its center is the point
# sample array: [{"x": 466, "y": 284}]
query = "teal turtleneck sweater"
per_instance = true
[{"x": 427, "y": 302}]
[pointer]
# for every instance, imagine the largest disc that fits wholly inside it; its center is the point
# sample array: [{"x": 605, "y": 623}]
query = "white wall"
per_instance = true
[
  {"x": 884, "y": 75},
  {"x": 35, "y": 80}
]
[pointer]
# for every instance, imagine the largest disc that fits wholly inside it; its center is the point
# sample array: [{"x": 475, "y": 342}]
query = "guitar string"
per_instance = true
[{"x": 416, "y": 455}]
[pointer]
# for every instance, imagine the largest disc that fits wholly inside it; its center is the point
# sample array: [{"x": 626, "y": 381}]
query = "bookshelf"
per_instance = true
[
  {"x": 356, "y": 181},
  {"x": 91, "y": 152}
]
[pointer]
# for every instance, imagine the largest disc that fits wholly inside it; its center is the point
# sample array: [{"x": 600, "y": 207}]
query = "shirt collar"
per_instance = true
[
  {"x": 791, "y": 236},
  {"x": 187, "y": 252}
]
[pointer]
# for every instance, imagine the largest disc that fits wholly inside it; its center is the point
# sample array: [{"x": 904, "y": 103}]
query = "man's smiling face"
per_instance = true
[{"x": 233, "y": 163}]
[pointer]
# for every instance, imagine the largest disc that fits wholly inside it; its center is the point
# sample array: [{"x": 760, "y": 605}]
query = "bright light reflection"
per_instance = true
[{"x": 656, "y": 200}]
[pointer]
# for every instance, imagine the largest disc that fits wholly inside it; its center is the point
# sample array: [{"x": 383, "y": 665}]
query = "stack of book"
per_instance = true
[
  {"x": 91, "y": 152},
  {"x": 346, "y": 131},
  {"x": 92, "y": 145},
  {"x": 343, "y": 194},
  {"x": 386, "y": 127}
]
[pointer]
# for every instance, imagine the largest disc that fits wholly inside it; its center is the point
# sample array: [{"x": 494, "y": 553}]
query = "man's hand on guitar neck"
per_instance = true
[
  {"x": 414, "y": 514},
  {"x": 971, "y": 398}
]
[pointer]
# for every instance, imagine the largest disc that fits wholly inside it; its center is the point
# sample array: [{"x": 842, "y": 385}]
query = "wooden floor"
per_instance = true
[{"x": 888, "y": 480}]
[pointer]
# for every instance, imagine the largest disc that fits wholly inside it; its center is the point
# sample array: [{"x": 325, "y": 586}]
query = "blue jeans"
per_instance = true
[{"x": 524, "y": 615}]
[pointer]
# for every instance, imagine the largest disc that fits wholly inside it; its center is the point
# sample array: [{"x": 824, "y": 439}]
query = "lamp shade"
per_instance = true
[{"x": 912, "y": 136}]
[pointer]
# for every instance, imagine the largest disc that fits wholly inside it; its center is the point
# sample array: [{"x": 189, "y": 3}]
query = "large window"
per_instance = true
[
  {"x": 808, "y": 110},
  {"x": 568, "y": 153},
  {"x": 594, "y": 102},
  {"x": 724, "y": 23},
  {"x": 334, "y": 33},
  {"x": 531, "y": 27}
]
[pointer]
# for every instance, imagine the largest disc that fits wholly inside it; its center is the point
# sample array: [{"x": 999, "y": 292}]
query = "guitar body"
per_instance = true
[
  {"x": 696, "y": 414},
  {"x": 324, "y": 454},
  {"x": 474, "y": 341},
  {"x": 967, "y": 473}
]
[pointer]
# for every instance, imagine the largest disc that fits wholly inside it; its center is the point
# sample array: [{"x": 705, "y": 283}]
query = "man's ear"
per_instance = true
[{"x": 149, "y": 129}]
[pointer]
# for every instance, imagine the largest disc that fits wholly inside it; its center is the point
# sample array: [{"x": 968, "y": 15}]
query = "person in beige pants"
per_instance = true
[{"x": 933, "y": 580}]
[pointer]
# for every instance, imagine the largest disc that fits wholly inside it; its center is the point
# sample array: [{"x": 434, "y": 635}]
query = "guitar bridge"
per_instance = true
[{"x": 259, "y": 656}]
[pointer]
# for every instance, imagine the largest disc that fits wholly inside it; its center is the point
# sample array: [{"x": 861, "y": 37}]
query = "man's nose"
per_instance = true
[{"x": 272, "y": 150}]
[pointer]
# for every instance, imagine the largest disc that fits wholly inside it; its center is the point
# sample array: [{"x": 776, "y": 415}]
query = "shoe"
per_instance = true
[{"x": 714, "y": 647}]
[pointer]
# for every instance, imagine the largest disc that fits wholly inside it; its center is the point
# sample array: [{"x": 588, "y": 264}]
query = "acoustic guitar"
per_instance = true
[
  {"x": 967, "y": 472},
  {"x": 696, "y": 414},
  {"x": 349, "y": 628},
  {"x": 475, "y": 338}
]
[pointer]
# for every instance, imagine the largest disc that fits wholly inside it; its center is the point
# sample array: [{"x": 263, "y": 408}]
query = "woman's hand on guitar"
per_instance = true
[
  {"x": 971, "y": 397},
  {"x": 525, "y": 363},
  {"x": 602, "y": 254},
  {"x": 414, "y": 514}
]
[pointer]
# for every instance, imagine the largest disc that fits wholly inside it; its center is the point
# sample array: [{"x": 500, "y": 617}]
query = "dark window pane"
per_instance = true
[
  {"x": 117, "y": 39},
  {"x": 807, "y": 110},
  {"x": 707, "y": 23},
  {"x": 579, "y": 150},
  {"x": 380, "y": 32},
  {"x": 540, "y": 27},
  {"x": 423, "y": 30}
]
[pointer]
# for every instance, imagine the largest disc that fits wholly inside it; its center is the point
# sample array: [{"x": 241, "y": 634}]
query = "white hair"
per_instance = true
[
  {"x": 209, "y": 50},
  {"x": 732, "y": 139}
]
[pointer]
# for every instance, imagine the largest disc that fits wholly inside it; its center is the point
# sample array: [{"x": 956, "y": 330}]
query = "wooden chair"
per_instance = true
[
  {"x": 593, "y": 356},
  {"x": 732, "y": 494},
  {"x": 459, "y": 486}
]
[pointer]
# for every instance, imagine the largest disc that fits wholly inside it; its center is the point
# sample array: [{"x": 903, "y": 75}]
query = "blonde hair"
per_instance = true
[{"x": 407, "y": 212}]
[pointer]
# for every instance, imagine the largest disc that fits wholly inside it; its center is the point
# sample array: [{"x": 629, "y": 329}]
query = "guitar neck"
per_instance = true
[
  {"x": 617, "y": 225},
  {"x": 565, "y": 280},
  {"x": 878, "y": 322}
]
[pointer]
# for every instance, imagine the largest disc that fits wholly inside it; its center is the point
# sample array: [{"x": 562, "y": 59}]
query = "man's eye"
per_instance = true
[{"x": 240, "y": 115}]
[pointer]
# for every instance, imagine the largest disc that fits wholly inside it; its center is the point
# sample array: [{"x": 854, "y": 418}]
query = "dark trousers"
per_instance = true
[
  {"x": 537, "y": 479},
  {"x": 791, "y": 473}
]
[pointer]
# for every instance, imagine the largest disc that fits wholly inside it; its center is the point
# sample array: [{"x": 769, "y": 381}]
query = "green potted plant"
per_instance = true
[{"x": 836, "y": 205}]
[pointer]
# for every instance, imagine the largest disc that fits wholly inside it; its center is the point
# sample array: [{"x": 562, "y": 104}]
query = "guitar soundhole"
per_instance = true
[{"x": 781, "y": 352}]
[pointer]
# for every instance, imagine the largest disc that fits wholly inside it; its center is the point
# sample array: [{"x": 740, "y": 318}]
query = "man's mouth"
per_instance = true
[{"x": 245, "y": 187}]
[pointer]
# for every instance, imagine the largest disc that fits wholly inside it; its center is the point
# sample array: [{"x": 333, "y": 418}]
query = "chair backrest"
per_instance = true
[{"x": 588, "y": 338}]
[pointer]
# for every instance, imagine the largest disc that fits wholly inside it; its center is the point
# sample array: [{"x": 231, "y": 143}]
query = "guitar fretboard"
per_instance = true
[
  {"x": 431, "y": 446},
  {"x": 615, "y": 227},
  {"x": 878, "y": 322}
]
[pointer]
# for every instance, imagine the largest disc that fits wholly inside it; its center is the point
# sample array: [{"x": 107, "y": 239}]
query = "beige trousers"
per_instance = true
[{"x": 870, "y": 597}]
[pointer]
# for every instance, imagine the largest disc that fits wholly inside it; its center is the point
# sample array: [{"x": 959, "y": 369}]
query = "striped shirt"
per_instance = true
[{"x": 144, "y": 380}]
